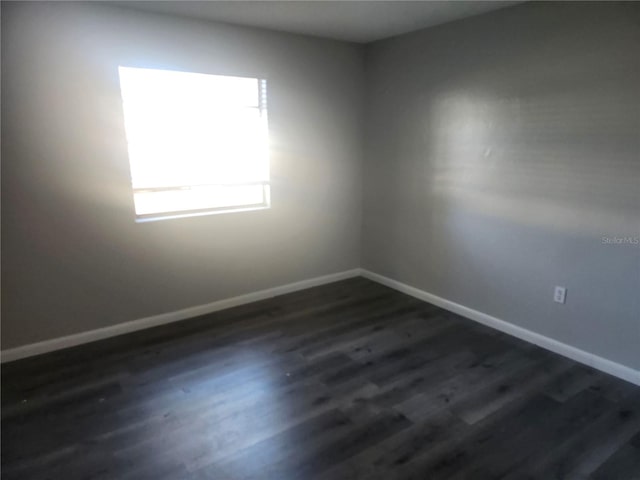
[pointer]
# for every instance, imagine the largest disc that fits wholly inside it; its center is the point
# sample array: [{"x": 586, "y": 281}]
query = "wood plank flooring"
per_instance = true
[{"x": 346, "y": 381}]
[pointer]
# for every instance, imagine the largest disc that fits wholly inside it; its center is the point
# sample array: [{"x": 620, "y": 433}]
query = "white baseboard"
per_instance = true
[
  {"x": 590, "y": 359},
  {"x": 169, "y": 317}
]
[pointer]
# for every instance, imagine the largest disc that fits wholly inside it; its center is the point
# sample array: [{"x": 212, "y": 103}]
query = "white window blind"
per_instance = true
[{"x": 197, "y": 143}]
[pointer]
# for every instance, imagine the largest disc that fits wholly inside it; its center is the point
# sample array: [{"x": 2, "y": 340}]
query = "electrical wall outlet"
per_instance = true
[{"x": 560, "y": 294}]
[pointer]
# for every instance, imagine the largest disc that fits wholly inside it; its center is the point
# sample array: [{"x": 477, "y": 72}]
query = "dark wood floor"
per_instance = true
[{"x": 346, "y": 381}]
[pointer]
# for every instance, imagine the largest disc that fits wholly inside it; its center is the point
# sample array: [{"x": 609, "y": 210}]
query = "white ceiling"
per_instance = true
[{"x": 355, "y": 21}]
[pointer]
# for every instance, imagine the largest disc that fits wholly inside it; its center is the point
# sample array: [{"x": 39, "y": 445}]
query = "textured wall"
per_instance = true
[
  {"x": 500, "y": 150},
  {"x": 72, "y": 257}
]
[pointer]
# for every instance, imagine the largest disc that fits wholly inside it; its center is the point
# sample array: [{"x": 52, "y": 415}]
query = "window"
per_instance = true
[{"x": 197, "y": 143}]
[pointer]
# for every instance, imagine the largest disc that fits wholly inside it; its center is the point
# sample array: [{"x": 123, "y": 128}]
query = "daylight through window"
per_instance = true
[{"x": 197, "y": 143}]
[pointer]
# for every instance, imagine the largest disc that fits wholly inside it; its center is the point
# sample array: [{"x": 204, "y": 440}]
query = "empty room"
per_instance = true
[{"x": 320, "y": 240}]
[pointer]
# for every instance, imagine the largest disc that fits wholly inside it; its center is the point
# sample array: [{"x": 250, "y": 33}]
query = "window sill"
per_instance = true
[{"x": 159, "y": 217}]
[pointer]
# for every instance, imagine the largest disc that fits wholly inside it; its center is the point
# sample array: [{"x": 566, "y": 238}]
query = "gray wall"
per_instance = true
[
  {"x": 499, "y": 151},
  {"x": 72, "y": 257}
]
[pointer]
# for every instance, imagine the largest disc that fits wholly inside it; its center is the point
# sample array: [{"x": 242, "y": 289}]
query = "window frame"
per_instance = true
[{"x": 173, "y": 214}]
